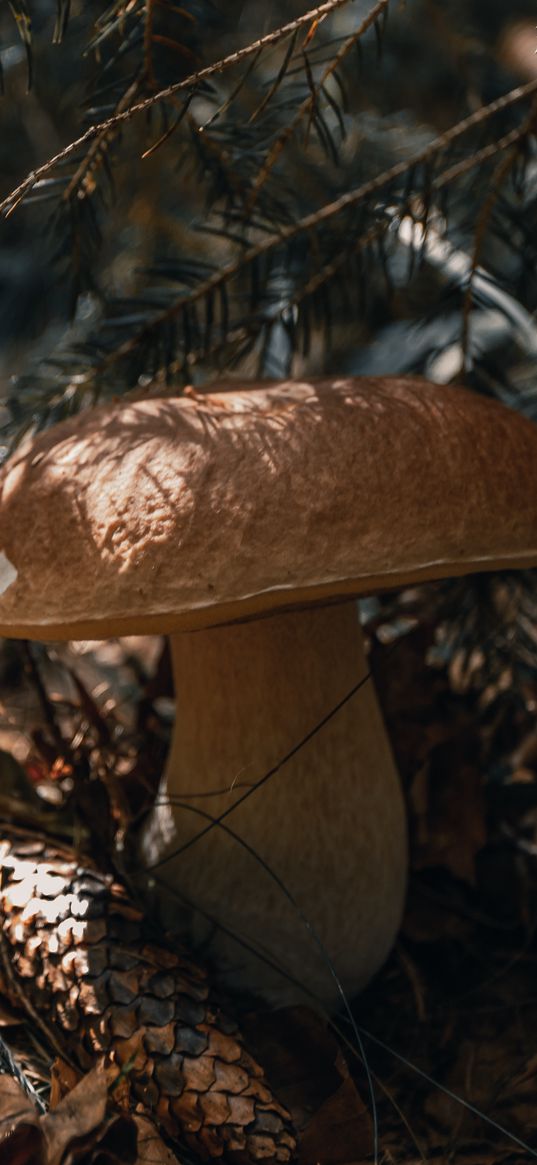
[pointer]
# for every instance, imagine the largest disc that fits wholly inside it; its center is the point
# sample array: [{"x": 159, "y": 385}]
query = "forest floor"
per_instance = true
[{"x": 448, "y": 1028}]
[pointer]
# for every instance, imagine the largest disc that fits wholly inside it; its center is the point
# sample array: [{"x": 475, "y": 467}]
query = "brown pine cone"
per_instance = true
[{"x": 75, "y": 951}]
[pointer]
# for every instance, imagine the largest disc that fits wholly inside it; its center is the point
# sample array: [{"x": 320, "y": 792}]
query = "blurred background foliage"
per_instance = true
[{"x": 353, "y": 190}]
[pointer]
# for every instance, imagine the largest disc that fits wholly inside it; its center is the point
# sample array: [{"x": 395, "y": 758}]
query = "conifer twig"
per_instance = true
[
  {"x": 308, "y": 105},
  {"x": 501, "y": 173},
  {"x": 18, "y": 194},
  {"x": 324, "y": 214}
]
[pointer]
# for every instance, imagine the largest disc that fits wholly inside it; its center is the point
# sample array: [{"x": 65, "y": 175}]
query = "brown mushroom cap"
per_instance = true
[{"x": 174, "y": 514}]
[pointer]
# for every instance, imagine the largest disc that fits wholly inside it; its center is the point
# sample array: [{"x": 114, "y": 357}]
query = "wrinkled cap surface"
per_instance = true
[{"x": 178, "y": 513}]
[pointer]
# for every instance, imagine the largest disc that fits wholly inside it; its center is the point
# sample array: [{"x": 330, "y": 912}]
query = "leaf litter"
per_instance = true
[{"x": 456, "y": 1001}]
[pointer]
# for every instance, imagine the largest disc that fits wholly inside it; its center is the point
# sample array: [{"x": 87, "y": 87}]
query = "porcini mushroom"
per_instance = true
[{"x": 243, "y": 524}]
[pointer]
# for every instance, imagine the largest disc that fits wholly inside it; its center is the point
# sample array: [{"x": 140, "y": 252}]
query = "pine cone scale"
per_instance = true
[{"x": 76, "y": 948}]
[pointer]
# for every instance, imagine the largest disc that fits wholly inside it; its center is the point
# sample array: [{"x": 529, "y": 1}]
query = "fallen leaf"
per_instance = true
[
  {"x": 23, "y": 1145},
  {"x": 340, "y": 1132},
  {"x": 299, "y": 1055},
  {"x": 310, "y": 1075},
  {"x": 449, "y": 807},
  {"x": 21, "y": 1139},
  {"x": 79, "y": 1128},
  {"x": 63, "y": 1078},
  {"x": 78, "y": 1132}
]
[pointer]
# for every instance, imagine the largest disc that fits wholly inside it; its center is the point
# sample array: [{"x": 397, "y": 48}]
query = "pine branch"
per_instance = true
[
  {"x": 310, "y": 223},
  {"x": 63, "y": 11},
  {"x": 10, "y": 203},
  {"x": 23, "y": 20},
  {"x": 149, "y": 69},
  {"x": 212, "y": 314},
  {"x": 81, "y": 198},
  {"x": 162, "y": 335},
  {"x": 307, "y": 107},
  {"x": 499, "y": 177},
  {"x": 78, "y": 184}
]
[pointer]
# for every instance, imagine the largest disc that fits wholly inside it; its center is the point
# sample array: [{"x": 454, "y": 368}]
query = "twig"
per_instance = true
[
  {"x": 46, "y": 706},
  {"x": 308, "y": 105},
  {"x": 13, "y": 200},
  {"x": 98, "y": 146},
  {"x": 331, "y": 210},
  {"x": 501, "y": 173},
  {"x": 148, "y": 44}
]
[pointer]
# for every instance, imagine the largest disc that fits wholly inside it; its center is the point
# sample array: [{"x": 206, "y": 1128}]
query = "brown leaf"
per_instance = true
[
  {"x": 23, "y": 1145},
  {"x": 340, "y": 1132},
  {"x": 63, "y": 1079},
  {"x": 299, "y": 1054},
  {"x": 309, "y": 1072},
  {"x": 14, "y": 1104},
  {"x": 21, "y": 1138},
  {"x": 78, "y": 1126},
  {"x": 114, "y": 1143},
  {"x": 79, "y": 1111},
  {"x": 448, "y": 801}
]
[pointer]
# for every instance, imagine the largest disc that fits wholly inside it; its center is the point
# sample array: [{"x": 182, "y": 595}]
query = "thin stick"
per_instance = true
[
  {"x": 190, "y": 82},
  {"x": 330, "y": 210}
]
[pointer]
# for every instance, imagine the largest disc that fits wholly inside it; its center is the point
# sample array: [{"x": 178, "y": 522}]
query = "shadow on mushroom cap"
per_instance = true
[{"x": 187, "y": 513}]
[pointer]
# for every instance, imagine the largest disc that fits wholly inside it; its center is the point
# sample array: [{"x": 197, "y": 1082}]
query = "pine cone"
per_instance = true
[{"x": 76, "y": 950}]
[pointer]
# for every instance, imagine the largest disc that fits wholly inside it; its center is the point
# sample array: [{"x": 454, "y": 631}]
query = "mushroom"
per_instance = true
[{"x": 244, "y": 523}]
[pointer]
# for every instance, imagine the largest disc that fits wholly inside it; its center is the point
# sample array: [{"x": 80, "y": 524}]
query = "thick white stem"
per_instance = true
[{"x": 331, "y": 823}]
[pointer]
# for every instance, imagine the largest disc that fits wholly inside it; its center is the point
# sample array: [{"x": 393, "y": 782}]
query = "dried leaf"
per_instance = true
[
  {"x": 21, "y": 1139},
  {"x": 451, "y": 826},
  {"x": 310, "y": 1073},
  {"x": 299, "y": 1051},
  {"x": 340, "y": 1132},
  {"x": 23, "y": 1145},
  {"x": 63, "y": 1079},
  {"x": 80, "y": 1118}
]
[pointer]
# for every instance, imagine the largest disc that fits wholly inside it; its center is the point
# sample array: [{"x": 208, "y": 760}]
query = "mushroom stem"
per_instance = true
[{"x": 331, "y": 823}]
